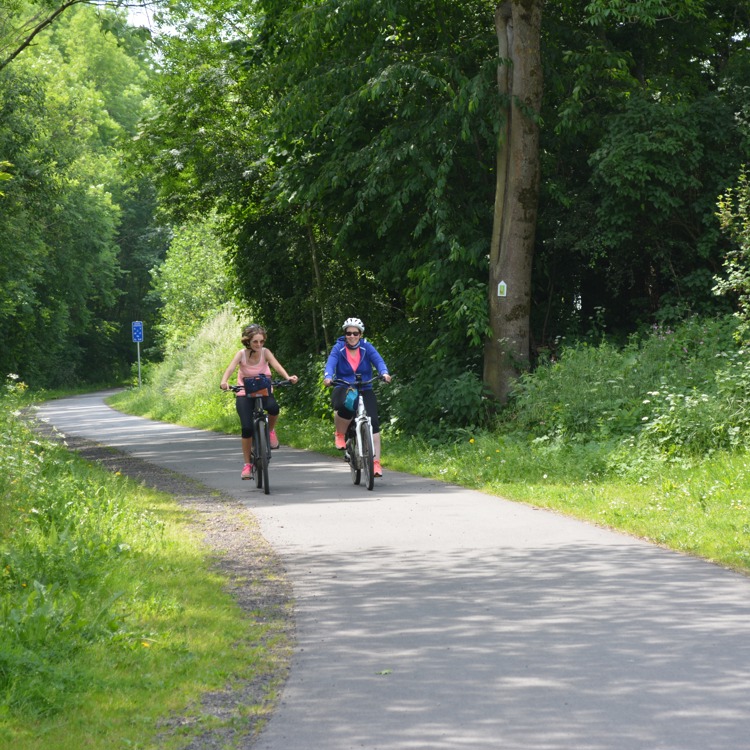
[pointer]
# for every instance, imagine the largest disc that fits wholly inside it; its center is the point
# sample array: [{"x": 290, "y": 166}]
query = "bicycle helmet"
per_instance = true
[{"x": 356, "y": 322}]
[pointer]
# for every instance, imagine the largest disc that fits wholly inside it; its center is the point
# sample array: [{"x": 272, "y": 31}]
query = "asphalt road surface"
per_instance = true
[{"x": 431, "y": 617}]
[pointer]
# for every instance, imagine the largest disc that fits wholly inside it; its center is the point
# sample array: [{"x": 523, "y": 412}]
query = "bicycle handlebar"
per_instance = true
[
  {"x": 357, "y": 382},
  {"x": 274, "y": 383}
]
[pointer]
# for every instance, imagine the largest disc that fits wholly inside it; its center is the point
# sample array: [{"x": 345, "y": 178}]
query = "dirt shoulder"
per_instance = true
[{"x": 256, "y": 580}]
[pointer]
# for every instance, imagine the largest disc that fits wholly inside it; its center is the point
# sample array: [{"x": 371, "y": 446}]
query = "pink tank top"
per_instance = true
[
  {"x": 246, "y": 370},
  {"x": 354, "y": 356}
]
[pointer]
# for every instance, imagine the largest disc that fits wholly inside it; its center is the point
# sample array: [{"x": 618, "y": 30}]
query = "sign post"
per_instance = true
[{"x": 137, "y": 338}]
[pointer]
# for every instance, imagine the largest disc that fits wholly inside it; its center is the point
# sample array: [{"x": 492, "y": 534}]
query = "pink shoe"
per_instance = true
[
  {"x": 376, "y": 469},
  {"x": 247, "y": 472},
  {"x": 340, "y": 441},
  {"x": 274, "y": 440}
]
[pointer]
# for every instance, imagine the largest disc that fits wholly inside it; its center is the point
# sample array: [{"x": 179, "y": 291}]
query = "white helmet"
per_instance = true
[{"x": 356, "y": 322}]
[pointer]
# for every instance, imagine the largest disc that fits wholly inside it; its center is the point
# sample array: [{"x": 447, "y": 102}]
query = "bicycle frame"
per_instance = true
[
  {"x": 260, "y": 423},
  {"x": 260, "y": 455},
  {"x": 360, "y": 446},
  {"x": 361, "y": 417}
]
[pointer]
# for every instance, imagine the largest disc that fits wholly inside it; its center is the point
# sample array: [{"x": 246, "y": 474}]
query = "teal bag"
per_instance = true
[{"x": 350, "y": 402}]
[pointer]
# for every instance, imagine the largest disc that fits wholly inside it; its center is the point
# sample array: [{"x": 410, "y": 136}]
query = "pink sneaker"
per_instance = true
[
  {"x": 376, "y": 469},
  {"x": 340, "y": 441},
  {"x": 247, "y": 472},
  {"x": 274, "y": 440}
]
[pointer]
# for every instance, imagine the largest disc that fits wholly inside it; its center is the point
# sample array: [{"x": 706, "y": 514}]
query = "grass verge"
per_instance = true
[{"x": 102, "y": 643}]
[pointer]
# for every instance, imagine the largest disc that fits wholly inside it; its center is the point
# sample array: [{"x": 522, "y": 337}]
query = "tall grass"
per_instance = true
[{"x": 101, "y": 642}]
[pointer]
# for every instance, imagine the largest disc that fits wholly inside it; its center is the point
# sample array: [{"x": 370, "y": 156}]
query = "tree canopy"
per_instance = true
[
  {"x": 75, "y": 240},
  {"x": 348, "y": 150},
  {"x": 351, "y": 147}
]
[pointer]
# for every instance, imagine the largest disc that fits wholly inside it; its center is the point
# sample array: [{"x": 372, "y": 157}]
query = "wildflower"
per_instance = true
[{"x": 471, "y": 440}]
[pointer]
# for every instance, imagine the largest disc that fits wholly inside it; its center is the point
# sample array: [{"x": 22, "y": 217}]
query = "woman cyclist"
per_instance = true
[
  {"x": 350, "y": 356},
  {"x": 254, "y": 359}
]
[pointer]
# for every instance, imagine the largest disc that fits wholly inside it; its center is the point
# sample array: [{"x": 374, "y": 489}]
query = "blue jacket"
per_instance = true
[{"x": 338, "y": 367}]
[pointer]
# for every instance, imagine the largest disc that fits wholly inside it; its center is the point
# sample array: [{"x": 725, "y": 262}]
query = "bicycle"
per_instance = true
[
  {"x": 260, "y": 455},
  {"x": 359, "y": 452}
]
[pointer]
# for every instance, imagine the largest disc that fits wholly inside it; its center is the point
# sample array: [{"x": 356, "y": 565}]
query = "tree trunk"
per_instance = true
[
  {"x": 318, "y": 289},
  {"x": 506, "y": 355}
]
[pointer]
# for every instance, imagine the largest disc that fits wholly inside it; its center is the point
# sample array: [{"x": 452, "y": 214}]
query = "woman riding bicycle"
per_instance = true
[
  {"x": 350, "y": 356},
  {"x": 254, "y": 360}
]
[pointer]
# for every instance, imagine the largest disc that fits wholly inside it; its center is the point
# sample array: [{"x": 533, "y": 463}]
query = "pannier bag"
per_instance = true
[
  {"x": 350, "y": 401},
  {"x": 260, "y": 385}
]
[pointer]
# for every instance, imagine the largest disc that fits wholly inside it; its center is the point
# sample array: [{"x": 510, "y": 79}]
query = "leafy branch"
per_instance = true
[{"x": 20, "y": 37}]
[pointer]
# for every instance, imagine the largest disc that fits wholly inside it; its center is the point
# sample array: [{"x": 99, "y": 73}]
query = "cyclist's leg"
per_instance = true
[
  {"x": 371, "y": 404},
  {"x": 342, "y": 416},
  {"x": 244, "y": 408},
  {"x": 272, "y": 407},
  {"x": 341, "y": 423}
]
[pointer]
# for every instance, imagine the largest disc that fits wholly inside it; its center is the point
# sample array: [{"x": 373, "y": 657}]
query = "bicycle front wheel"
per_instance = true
[
  {"x": 365, "y": 433},
  {"x": 257, "y": 469},
  {"x": 353, "y": 456},
  {"x": 263, "y": 457}
]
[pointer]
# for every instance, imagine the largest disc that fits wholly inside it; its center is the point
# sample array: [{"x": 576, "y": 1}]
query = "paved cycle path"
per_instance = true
[{"x": 430, "y": 617}]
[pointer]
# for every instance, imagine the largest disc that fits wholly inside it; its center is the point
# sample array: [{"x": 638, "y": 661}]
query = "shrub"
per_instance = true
[
  {"x": 655, "y": 383},
  {"x": 734, "y": 216},
  {"x": 439, "y": 406}
]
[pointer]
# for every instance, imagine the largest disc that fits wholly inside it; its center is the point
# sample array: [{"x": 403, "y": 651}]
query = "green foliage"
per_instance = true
[
  {"x": 67, "y": 106},
  {"x": 670, "y": 390},
  {"x": 192, "y": 283},
  {"x": 734, "y": 215},
  {"x": 3, "y": 174},
  {"x": 361, "y": 178},
  {"x": 645, "y": 12},
  {"x": 101, "y": 642},
  {"x": 63, "y": 561},
  {"x": 440, "y": 405},
  {"x": 643, "y": 137}
]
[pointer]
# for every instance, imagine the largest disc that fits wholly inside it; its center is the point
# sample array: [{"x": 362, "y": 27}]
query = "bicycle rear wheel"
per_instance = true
[
  {"x": 365, "y": 433},
  {"x": 263, "y": 457}
]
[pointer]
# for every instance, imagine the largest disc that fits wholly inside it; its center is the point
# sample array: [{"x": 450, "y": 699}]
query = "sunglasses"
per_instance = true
[{"x": 354, "y": 333}]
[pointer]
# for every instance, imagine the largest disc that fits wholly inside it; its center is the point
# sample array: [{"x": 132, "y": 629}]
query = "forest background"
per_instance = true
[
  {"x": 305, "y": 162},
  {"x": 312, "y": 161}
]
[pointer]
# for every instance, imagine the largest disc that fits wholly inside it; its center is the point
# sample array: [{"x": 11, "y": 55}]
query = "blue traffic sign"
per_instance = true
[{"x": 137, "y": 331}]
